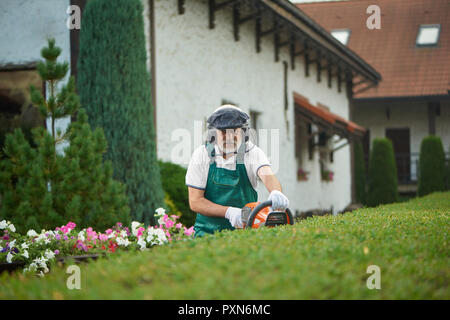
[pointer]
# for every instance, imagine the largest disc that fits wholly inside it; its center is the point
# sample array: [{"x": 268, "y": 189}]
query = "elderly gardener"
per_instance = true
[{"x": 223, "y": 173}]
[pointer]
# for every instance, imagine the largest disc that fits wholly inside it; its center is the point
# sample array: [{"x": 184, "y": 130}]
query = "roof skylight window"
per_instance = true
[
  {"x": 428, "y": 35},
  {"x": 342, "y": 35}
]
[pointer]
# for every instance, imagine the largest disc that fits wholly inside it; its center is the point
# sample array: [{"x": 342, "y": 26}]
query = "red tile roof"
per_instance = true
[
  {"x": 406, "y": 70},
  {"x": 328, "y": 117}
]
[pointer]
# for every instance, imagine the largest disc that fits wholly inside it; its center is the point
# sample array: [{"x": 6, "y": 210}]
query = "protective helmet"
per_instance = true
[{"x": 228, "y": 117}]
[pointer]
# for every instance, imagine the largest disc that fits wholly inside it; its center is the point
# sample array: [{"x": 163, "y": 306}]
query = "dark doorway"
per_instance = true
[{"x": 401, "y": 142}]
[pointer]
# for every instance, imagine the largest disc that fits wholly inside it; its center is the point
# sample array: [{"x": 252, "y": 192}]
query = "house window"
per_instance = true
[
  {"x": 325, "y": 146},
  {"x": 16, "y": 109},
  {"x": 342, "y": 35},
  {"x": 254, "y": 125},
  {"x": 428, "y": 35},
  {"x": 303, "y": 147}
]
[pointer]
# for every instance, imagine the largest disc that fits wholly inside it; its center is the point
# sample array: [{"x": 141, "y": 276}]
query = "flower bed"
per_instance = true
[{"x": 35, "y": 251}]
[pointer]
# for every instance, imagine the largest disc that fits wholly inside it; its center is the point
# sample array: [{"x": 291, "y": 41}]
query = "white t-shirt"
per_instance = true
[{"x": 197, "y": 172}]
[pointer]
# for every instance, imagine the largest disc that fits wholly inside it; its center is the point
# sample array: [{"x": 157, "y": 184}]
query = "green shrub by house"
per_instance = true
[
  {"x": 360, "y": 173},
  {"x": 114, "y": 87},
  {"x": 43, "y": 189},
  {"x": 382, "y": 174},
  {"x": 431, "y": 166},
  {"x": 173, "y": 181}
]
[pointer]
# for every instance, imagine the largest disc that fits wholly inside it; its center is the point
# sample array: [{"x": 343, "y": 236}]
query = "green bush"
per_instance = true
[
  {"x": 382, "y": 174},
  {"x": 318, "y": 258},
  {"x": 42, "y": 188},
  {"x": 360, "y": 173},
  {"x": 447, "y": 175},
  {"x": 114, "y": 87},
  {"x": 173, "y": 181},
  {"x": 431, "y": 166}
]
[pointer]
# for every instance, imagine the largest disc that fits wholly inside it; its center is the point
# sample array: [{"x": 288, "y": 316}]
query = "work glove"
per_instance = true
[
  {"x": 279, "y": 200},
  {"x": 234, "y": 215}
]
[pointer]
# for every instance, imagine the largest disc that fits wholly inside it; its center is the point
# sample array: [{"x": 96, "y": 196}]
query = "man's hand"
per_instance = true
[
  {"x": 279, "y": 200},
  {"x": 234, "y": 215}
]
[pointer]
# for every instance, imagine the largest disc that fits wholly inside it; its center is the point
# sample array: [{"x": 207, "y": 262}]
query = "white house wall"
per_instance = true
[
  {"x": 196, "y": 68},
  {"x": 412, "y": 115}
]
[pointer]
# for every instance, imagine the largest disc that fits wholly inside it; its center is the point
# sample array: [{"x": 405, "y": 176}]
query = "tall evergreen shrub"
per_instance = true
[
  {"x": 431, "y": 166},
  {"x": 382, "y": 174},
  {"x": 114, "y": 87}
]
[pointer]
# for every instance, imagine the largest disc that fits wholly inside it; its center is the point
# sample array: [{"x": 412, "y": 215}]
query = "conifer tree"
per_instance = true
[
  {"x": 382, "y": 186},
  {"x": 114, "y": 87},
  {"x": 41, "y": 188}
]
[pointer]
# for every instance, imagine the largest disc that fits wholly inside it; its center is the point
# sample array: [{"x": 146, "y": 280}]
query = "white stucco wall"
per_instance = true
[
  {"x": 197, "y": 67},
  {"x": 25, "y": 26}
]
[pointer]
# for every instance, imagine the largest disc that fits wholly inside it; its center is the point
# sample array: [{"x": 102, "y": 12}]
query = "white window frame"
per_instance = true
[{"x": 428, "y": 26}]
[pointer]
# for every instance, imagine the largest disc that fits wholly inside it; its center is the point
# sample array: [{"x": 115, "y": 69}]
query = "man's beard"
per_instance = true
[{"x": 229, "y": 147}]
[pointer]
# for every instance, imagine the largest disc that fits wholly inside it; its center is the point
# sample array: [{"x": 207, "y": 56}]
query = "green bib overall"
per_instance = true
[{"x": 228, "y": 188}]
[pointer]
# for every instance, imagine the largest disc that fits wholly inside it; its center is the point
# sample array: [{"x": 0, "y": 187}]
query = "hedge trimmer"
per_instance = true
[{"x": 257, "y": 214}]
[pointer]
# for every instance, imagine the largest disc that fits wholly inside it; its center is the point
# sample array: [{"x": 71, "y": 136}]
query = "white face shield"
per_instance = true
[
  {"x": 228, "y": 128},
  {"x": 229, "y": 140}
]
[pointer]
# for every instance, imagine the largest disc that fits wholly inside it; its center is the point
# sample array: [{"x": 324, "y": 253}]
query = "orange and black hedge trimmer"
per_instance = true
[{"x": 257, "y": 214}]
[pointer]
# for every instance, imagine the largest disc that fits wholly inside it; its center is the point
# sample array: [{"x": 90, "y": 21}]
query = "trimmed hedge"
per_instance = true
[
  {"x": 318, "y": 258},
  {"x": 431, "y": 166},
  {"x": 382, "y": 174}
]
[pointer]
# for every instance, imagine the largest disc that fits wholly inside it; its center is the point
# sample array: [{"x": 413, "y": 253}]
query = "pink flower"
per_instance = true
[
  {"x": 103, "y": 237},
  {"x": 169, "y": 223},
  {"x": 140, "y": 230},
  {"x": 71, "y": 225},
  {"x": 109, "y": 231},
  {"x": 178, "y": 225},
  {"x": 174, "y": 217},
  {"x": 56, "y": 252},
  {"x": 189, "y": 231}
]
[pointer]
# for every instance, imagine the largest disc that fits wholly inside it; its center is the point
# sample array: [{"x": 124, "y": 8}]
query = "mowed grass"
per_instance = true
[{"x": 317, "y": 258}]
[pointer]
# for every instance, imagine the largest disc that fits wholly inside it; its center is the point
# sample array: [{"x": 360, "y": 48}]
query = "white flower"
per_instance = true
[
  {"x": 12, "y": 243},
  {"x": 41, "y": 237},
  {"x": 32, "y": 233},
  {"x": 156, "y": 236},
  {"x": 25, "y": 254},
  {"x": 49, "y": 254},
  {"x": 160, "y": 212},
  {"x": 141, "y": 243},
  {"x": 81, "y": 236},
  {"x": 40, "y": 274},
  {"x": 50, "y": 234},
  {"x": 24, "y": 245},
  {"x": 12, "y": 228},
  {"x": 33, "y": 266},
  {"x": 134, "y": 226},
  {"x": 41, "y": 262},
  {"x": 123, "y": 242},
  {"x": 3, "y": 224},
  {"x": 9, "y": 257},
  {"x": 123, "y": 233}
]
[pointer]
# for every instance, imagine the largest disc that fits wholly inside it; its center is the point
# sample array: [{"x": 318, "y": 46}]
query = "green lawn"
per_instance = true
[{"x": 317, "y": 258}]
